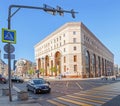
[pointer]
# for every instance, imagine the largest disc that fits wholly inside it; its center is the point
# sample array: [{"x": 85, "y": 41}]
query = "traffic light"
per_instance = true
[
  {"x": 49, "y": 9},
  {"x": 73, "y": 13},
  {"x": 60, "y": 11}
]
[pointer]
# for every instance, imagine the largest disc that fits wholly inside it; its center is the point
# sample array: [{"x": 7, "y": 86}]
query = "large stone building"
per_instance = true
[
  {"x": 75, "y": 52},
  {"x": 23, "y": 67},
  {"x": 3, "y": 68}
]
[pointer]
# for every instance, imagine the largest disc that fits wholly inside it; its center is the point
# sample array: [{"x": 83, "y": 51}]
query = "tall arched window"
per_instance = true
[
  {"x": 93, "y": 73},
  {"x": 87, "y": 56},
  {"x": 99, "y": 67},
  {"x": 103, "y": 73}
]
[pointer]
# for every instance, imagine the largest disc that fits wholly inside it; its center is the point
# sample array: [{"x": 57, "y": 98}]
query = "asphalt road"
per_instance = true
[
  {"x": 65, "y": 87},
  {"x": 61, "y": 88}
]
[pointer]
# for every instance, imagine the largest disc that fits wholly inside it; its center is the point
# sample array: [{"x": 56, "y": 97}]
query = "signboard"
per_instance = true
[
  {"x": 8, "y": 36},
  {"x": 12, "y": 49},
  {"x": 12, "y": 56}
]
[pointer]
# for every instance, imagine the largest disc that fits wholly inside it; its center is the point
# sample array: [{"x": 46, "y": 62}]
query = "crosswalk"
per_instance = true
[{"x": 94, "y": 97}]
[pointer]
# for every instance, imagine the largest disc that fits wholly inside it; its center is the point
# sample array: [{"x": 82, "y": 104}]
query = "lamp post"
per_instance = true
[{"x": 46, "y": 8}]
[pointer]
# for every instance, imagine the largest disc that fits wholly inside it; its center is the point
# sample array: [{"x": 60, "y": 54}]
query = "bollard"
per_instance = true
[
  {"x": 5, "y": 91},
  {"x": 22, "y": 95}
]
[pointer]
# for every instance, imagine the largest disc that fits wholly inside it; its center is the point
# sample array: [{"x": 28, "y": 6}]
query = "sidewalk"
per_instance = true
[{"x": 4, "y": 101}]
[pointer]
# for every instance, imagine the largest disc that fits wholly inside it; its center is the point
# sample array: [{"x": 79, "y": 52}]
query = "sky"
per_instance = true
[{"x": 102, "y": 18}]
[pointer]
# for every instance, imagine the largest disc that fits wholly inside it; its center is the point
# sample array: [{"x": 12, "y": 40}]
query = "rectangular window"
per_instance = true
[
  {"x": 75, "y": 58},
  {"x": 60, "y": 37},
  {"x": 64, "y": 59},
  {"x": 60, "y": 43},
  {"x": 64, "y": 42},
  {"x": 64, "y": 49},
  {"x": 74, "y": 40},
  {"x": 64, "y": 68},
  {"x": 75, "y": 68},
  {"x": 74, "y": 33},
  {"x": 74, "y": 48}
]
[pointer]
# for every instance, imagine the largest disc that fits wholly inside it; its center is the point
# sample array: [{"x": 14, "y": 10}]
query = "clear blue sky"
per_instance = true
[{"x": 102, "y": 17}]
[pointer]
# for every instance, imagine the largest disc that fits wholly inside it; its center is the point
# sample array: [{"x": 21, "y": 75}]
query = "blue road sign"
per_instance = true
[
  {"x": 12, "y": 56},
  {"x": 8, "y": 35}
]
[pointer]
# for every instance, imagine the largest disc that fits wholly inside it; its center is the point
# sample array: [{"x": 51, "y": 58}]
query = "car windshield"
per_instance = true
[{"x": 39, "y": 81}]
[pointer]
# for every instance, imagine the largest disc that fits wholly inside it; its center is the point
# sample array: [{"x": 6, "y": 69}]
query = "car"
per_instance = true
[
  {"x": 3, "y": 79},
  {"x": 17, "y": 79},
  {"x": 104, "y": 78},
  {"x": 38, "y": 85},
  {"x": 108, "y": 77},
  {"x": 112, "y": 77}
]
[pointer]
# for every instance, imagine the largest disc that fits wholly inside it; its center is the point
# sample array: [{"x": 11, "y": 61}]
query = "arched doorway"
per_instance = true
[
  {"x": 58, "y": 63},
  {"x": 87, "y": 63},
  {"x": 39, "y": 64},
  {"x": 46, "y": 65}
]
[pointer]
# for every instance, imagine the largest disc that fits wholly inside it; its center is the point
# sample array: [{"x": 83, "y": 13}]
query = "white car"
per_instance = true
[
  {"x": 104, "y": 78},
  {"x": 108, "y": 77},
  {"x": 112, "y": 77}
]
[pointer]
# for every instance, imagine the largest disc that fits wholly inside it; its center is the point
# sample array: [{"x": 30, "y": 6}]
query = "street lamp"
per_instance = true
[{"x": 45, "y": 8}]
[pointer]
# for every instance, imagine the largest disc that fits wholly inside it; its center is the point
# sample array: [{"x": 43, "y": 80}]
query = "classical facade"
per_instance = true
[
  {"x": 74, "y": 51},
  {"x": 23, "y": 66},
  {"x": 3, "y": 68}
]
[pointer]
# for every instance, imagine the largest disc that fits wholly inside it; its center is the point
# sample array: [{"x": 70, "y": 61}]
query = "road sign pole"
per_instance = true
[{"x": 9, "y": 57}]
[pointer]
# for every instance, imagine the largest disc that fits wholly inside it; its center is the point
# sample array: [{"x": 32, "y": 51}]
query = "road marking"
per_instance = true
[
  {"x": 55, "y": 103},
  {"x": 74, "y": 102},
  {"x": 107, "y": 90},
  {"x": 94, "y": 96},
  {"x": 104, "y": 92},
  {"x": 79, "y": 85},
  {"x": 86, "y": 99}
]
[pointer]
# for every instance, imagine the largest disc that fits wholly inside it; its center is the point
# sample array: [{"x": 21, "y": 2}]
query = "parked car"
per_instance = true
[
  {"x": 104, "y": 78},
  {"x": 112, "y": 77},
  {"x": 17, "y": 79},
  {"x": 38, "y": 85},
  {"x": 108, "y": 77},
  {"x": 3, "y": 79}
]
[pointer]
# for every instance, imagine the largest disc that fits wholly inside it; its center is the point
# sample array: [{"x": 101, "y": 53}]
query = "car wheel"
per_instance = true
[
  {"x": 49, "y": 91},
  {"x": 34, "y": 91},
  {"x": 27, "y": 89},
  {"x": 17, "y": 81}
]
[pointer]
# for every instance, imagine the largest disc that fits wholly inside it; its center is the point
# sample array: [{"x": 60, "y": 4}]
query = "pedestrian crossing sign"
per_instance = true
[{"x": 8, "y": 36}]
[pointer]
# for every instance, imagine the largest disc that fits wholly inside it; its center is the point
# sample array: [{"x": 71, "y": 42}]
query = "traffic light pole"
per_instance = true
[{"x": 46, "y": 8}]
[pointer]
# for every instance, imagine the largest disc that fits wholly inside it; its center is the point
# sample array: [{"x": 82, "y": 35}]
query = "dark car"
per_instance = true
[
  {"x": 3, "y": 79},
  {"x": 17, "y": 79},
  {"x": 38, "y": 85}
]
